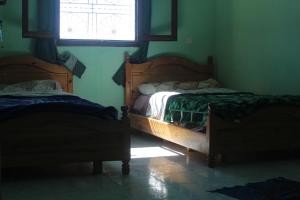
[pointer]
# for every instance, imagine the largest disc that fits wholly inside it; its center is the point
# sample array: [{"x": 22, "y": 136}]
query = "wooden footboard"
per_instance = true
[
  {"x": 51, "y": 138},
  {"x": 271, "y": 129}
]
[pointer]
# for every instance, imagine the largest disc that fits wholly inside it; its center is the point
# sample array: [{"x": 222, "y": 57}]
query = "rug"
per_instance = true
[{"x": 272, "y": 189}]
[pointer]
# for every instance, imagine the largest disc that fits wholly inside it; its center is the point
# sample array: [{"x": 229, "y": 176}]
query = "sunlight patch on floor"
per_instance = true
[{"x": 150, "y": 152}]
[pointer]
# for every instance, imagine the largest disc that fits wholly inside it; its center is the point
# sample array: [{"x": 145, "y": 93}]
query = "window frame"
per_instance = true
[
  {"x": 174, "y": 26},
  {"x": 85, "y": 42},
  {"x": 26, "y": 33},
  {"x": 140, "y": 37}
]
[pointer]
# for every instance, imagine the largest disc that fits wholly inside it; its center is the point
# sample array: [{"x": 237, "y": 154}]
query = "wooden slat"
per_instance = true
[{"x": 182, "y": 136}]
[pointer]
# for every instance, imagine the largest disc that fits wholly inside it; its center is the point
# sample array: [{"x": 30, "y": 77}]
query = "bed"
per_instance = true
[
  {"x": 272, "y": 128},
  {"x": 60, "y": 133}
]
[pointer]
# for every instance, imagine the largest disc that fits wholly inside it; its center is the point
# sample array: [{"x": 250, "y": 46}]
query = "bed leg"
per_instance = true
[
  {"x": 98, "y": 167},
  {"x": 211, "y": 161},
  {"x": 125, "y": 167}
]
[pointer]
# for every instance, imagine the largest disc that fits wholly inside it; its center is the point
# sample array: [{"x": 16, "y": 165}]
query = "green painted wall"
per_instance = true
[
  {"x": 258, "y": 45},
  {"x": 195, "y": 40}
]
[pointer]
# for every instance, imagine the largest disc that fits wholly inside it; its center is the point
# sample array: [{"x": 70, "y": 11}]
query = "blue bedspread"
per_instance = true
[{"x": 14, "y": 106}]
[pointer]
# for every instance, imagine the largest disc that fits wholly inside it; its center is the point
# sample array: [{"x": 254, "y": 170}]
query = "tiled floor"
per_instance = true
[{"x": 174, "y": 177}]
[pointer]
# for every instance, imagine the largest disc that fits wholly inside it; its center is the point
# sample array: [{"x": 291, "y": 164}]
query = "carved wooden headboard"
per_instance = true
[
  {"x": 15, "y": 69},
  {"x": 163, "y": 68}
]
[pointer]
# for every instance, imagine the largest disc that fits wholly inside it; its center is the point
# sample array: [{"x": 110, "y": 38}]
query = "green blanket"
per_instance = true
[{"x": 193, "y": 108}]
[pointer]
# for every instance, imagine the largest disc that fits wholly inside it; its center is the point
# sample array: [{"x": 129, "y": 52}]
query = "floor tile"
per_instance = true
[{"x": 185, "y": 177}]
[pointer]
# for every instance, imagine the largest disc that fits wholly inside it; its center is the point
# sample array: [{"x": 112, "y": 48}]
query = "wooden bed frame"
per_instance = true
[
  {"x": 58, "y": 137},
  {"x": 271, "y": 129}
]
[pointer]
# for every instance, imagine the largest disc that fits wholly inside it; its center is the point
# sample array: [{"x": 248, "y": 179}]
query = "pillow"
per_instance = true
[
  {"x": 151, "y": 88},
  {"x": 34, "y": 86},
  {"x": 148, "y": 88},
  {"x": 208, "y": 83},
  {"x": 46, "y": 85},
  {"x": 166, "y": 86},
  {"x": 189, "y": 85}
]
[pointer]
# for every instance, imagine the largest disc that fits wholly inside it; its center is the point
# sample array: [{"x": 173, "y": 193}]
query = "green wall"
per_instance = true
[
  {"x": 258, "y": 45},
  {"x": 195, "y": 40}
]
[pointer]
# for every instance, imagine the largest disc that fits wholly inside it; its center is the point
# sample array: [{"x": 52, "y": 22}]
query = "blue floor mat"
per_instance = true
[{"x": 273, "y": 189}]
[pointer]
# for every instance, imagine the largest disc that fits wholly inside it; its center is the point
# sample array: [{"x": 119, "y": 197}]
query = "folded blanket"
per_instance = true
[
  {"x": 193, "y": 108},
  {"x": 14, "y": 106}
]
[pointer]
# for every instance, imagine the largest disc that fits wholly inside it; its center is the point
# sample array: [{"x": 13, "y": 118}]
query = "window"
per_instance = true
[
  {"x": 96, "y": 22},
  {"x": 97, "y": 19}
]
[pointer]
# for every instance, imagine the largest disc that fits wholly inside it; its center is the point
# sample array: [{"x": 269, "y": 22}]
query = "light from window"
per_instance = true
[
  {"x": 150, "y": 152},
  {"x": 97, "y": 19}
]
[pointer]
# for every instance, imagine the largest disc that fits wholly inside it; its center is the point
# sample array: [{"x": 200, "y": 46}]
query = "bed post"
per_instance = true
[
  {"x": 125, "y": 118},
  {"x": 127, "y": 85},
  {"x": 211, "y": 157},
  {"x": 127, "y": 57},
  {"x": 126, "y": 139}
]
